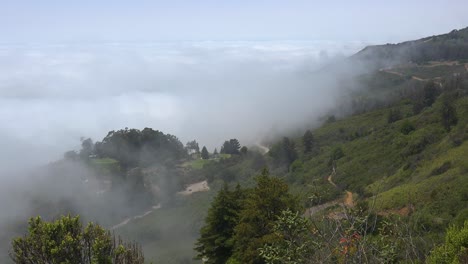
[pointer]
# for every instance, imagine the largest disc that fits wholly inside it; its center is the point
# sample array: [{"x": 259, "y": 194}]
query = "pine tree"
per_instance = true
[
  {"x": 204, "y": 153},
  {"x": 449, "y": 113},
  {"x": 215, "y": 244},
  {"x": 257, "y": 220},
  {"x": 308, "y": 141}
]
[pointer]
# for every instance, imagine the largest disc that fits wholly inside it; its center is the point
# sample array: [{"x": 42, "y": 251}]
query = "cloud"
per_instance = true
[{"x": 51, "y": 95}]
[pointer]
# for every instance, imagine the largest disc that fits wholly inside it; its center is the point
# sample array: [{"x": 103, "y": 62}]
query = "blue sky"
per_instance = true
[{"x": 52, "y": 21}]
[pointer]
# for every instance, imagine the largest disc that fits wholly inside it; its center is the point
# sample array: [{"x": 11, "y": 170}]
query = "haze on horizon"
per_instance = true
[{"x": 208, "y": 70}]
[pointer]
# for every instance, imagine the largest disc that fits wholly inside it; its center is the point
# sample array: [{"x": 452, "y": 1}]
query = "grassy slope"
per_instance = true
[
  {"x": 379, "y": 159},
  {"x": 168, "y": 234}
]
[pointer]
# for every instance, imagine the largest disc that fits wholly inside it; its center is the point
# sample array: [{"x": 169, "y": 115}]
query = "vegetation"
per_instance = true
[
  {"x": 66, "y": 241},
  {"x": 455, "y": 248},
  {"x": 132, "y": 147},
  {"x": 216, "y": 241},
  {"x": 230, "y": 147},
  {"x": 204, "y": 153},
  {"x": 383, "y": 183}
]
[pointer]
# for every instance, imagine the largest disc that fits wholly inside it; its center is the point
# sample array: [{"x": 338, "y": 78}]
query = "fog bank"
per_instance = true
[{"x": 52, "y": 95}]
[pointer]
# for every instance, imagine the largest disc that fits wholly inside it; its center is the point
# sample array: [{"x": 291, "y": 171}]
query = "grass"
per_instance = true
[
  {"x": 104, "y": 161},
  {"x": 168, "y": 234},
  {"x": 199, "y": 163},
  {"x": 423, "y": 168}
]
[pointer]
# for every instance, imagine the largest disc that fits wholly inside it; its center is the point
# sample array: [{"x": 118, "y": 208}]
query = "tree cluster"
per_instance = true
[
  {"x": 284, "y": 153},
  {"x": 132, "y": 147},
  {"x": 230, "y": 147},
  {"x": 239, "y": 222},
  {"x": 66, "y": 241}
]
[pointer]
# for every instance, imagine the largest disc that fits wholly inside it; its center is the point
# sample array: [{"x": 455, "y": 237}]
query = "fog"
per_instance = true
[{"x": 52, "y": 95}]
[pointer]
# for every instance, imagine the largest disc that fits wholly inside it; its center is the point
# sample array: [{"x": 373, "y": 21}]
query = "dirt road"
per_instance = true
[
  {"x": 195, "y": 187},
  {"x": 129, "y": 219}
]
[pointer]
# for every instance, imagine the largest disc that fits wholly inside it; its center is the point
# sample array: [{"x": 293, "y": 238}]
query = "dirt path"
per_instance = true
[
  {"x": 263, "y": 148},
  {"x": 195, "y": 187},
  {"x": 402, "y": 75},
  {"x": 348, "y": 201},
  {"x": 129, "y": 219},
  {"x": 330, "y": 178},
  {"x": 315, "y": 209}
]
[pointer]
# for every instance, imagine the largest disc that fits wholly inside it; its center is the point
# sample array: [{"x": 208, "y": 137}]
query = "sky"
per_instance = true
[
  {"x": 206, "y": 70},
  {"x": 52, "y": 21}
]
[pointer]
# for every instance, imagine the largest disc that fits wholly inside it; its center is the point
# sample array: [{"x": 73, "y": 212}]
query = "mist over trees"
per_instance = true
[{"x": 230, "y": 147}]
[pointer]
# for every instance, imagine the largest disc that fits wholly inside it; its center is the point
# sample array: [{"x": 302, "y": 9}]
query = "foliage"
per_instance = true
[
  {"x": 394, "y": 115},
  {"x": 284, "y": 153},
  {"x": 216, "y": 237},
  {"x": 244, "y": 150},
  {"x": 204, "y": 153},
  {"x": 192, "y": 147},
  {"x": 132, "y": 147},
  {"x": 87, "y": 149},
  {"x": 230, "y": 147},
  {"x": 257, "y": 219},
  {"x": 407, "y": 127},
  {"x": 448, "y": 113},
  {"x": 308, "y": 141},
  {"x": 65, "y": 241},
  {"x": 455, "y": 248},
  {"x": 294, "y": 242}
]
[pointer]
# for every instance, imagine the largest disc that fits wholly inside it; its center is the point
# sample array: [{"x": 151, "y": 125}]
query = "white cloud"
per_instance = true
[{"x": 50, "y": 96}]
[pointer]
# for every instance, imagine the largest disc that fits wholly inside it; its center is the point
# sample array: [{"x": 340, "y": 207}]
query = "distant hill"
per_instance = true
[{"x": 450, "y": 46}]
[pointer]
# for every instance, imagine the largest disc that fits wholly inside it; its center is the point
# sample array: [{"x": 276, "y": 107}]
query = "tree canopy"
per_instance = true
[
  {"x": 230, "y": 147},
  {"x": 216, "y": 237},
  {"x": 133, "y": 147},
  {"x": 204, "y": 153},
  {"x": 66, "y": 241}
]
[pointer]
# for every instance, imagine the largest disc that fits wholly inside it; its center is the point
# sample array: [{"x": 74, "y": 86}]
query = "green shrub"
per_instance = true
[{"x": 455, "y": 248}]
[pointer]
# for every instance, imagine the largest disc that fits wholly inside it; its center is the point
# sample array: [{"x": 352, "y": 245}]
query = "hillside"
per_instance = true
[
  {"x": 379, "y": 180},
  {"x": 445, "y": 47}
]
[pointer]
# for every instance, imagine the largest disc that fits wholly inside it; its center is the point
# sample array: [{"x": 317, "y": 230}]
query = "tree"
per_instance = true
[
  {"x": 394, "y": 115},
  {"x": 132, "y": 147},
  {"x": 230, "y": 147},
  {"x": 216, "y": 236},
  {"x": 244, "y": 150},
  {"x": 285, "y": 152},
  {"x": 448, "y": 113},
  {"x": 192, "y": 147},
  {"x": 430, "y": 93},
  {"x": 66, "y": 241},
  {"x": 257, "y": 219},
  {"x": 308, "y": 141},
  {"x": 87, "y": 148},
  {"x": 407, "y": 127},
  {"x": 294, "y": 244},
  {"x": 204, "y": 153}
]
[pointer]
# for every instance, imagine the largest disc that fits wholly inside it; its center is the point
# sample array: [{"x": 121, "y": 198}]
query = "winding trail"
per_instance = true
[
  {"x": 129, "y": 219},
  {"x": 347, "y": 201},
  {"x": 190, "y": 189},
  {"x": 263, "y": 148},
  {"x": 402, "y": 75}
]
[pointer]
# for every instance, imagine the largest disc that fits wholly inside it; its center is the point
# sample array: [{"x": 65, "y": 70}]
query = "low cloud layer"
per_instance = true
[{"x": 51, "y": 95}]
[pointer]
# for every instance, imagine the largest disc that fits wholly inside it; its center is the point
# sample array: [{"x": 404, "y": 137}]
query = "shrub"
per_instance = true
[
  {"x": 407, "y": 127},
  {"x": 455, "y": 248}
]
